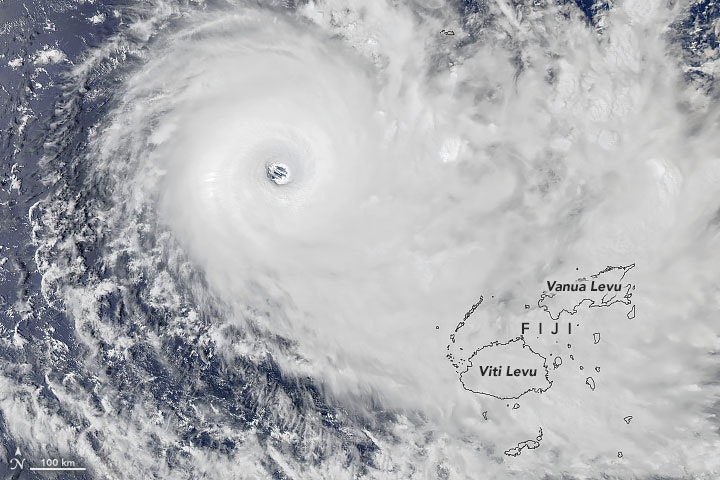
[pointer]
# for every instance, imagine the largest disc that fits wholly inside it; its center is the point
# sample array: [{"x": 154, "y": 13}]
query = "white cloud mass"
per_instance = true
[{"x": 428, "y": 169}]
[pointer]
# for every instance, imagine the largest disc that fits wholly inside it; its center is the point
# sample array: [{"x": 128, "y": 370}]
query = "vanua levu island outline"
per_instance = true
[
  {"x": 590, "y": 290},
  {"x": 585, "y": 290}
]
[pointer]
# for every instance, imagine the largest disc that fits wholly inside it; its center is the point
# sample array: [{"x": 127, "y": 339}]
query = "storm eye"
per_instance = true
[{"x": 278, "y": 173}]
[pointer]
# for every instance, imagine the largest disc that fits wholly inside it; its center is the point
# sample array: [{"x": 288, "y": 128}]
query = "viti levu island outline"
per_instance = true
[{"x": 526, "y": 364}]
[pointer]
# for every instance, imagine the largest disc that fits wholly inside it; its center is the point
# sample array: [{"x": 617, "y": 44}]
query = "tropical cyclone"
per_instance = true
[{"x": 290, "y": 328}]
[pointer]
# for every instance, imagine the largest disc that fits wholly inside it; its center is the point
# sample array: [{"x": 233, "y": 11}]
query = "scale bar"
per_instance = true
[{"x": 58, "y": 469}]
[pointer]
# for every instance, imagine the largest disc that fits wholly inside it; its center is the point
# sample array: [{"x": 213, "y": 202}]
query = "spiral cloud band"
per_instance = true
[
  {"x": 339, "y": 245},
  {"x": 315, "y": 196},
  {"x": 249, "y": 101}
]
